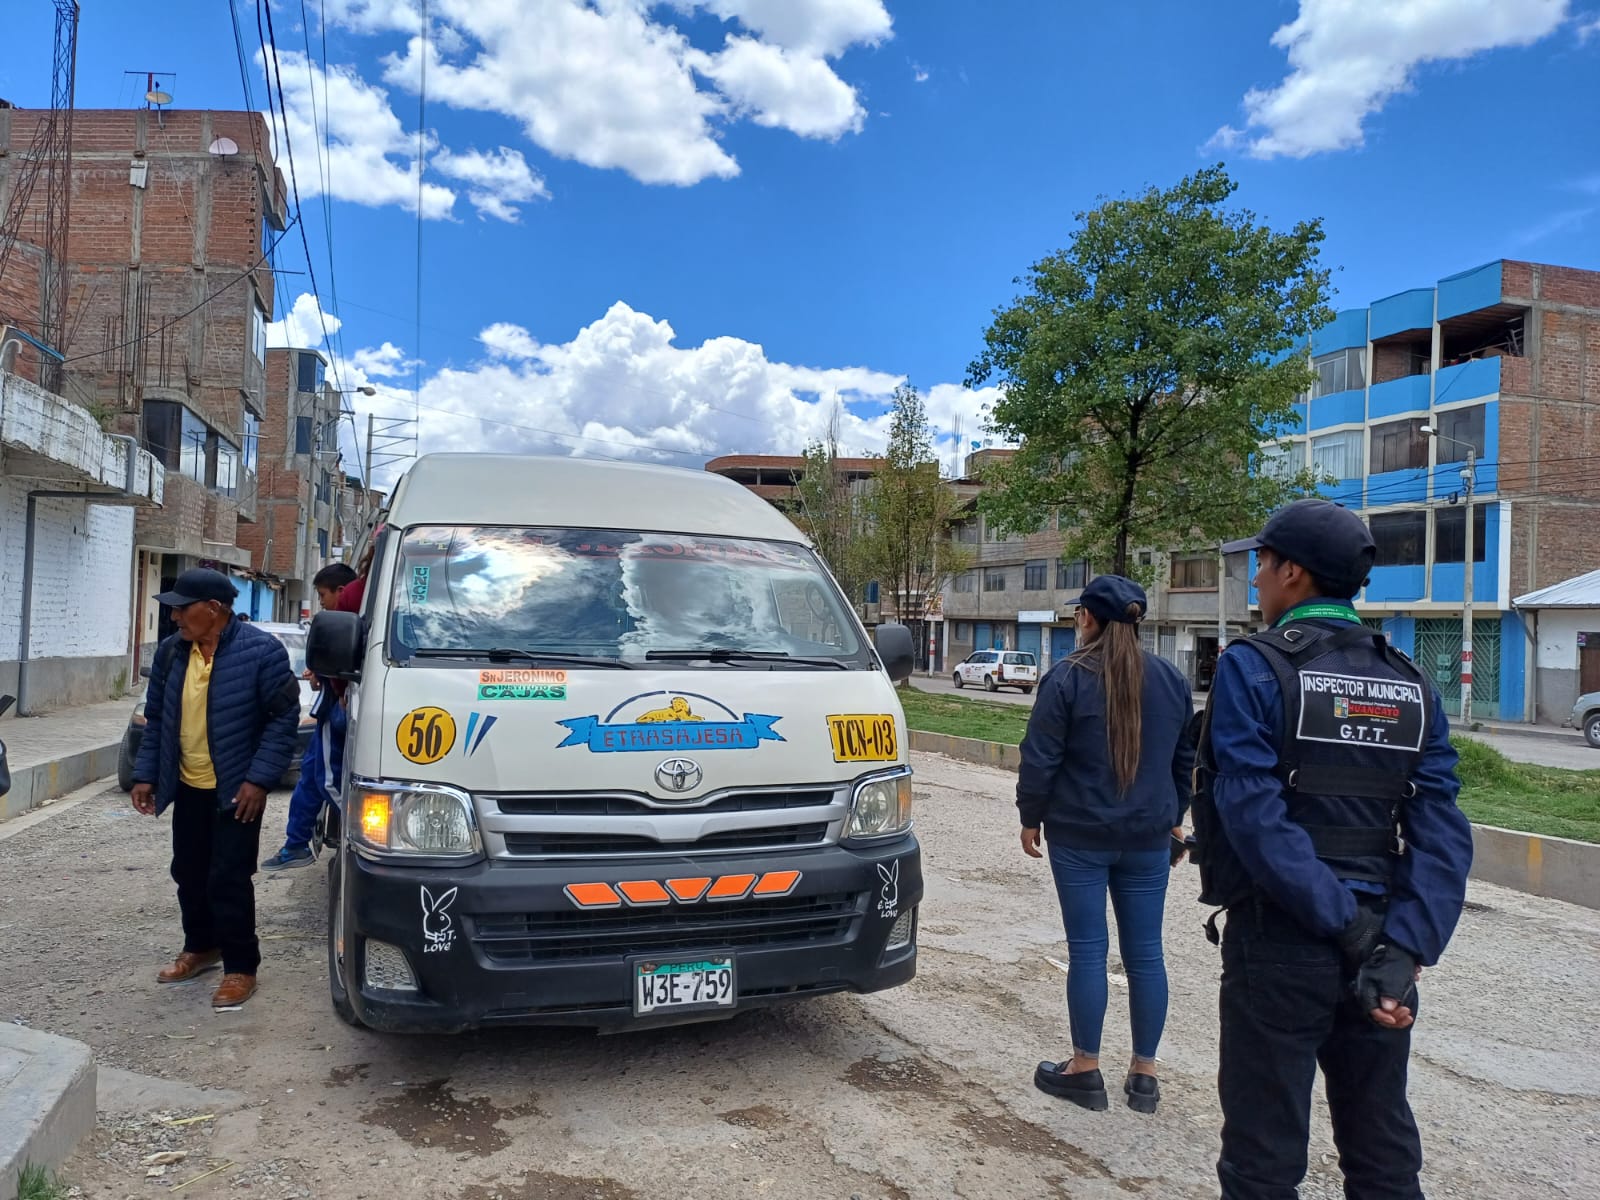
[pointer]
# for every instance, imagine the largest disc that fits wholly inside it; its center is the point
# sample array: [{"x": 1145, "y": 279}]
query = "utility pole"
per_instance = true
[{"x": 1468, "y": 477}]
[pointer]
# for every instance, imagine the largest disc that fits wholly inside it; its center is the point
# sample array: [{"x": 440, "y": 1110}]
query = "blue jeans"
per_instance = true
[
  {"x": 321, "y": 771},
  {"x": 1137, "y": 880}
]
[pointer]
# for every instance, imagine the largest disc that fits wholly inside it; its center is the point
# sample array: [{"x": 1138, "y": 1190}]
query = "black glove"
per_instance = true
[
  {"x": 1360, "y": 938},
  {"x": 1388, "y": 973}
]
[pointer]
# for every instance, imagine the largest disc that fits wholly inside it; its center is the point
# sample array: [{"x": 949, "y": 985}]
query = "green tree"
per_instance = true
[
  {"x": 909, "y": 510},
  {"x": 827, "y": 507},
  {"x": 1144, "y": 367}
]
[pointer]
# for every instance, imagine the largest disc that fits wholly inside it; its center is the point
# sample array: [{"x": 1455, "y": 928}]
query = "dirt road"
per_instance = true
[{"x": 920, "y": 1092}]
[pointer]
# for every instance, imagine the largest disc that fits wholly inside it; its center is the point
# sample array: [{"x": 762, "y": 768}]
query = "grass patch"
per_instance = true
[
  {"x": 38, "y": 1184},
  {"x": 1513, "y": 795},
  {"x": 987, "y": 720},
  {"x": 1549, "y": 801}
]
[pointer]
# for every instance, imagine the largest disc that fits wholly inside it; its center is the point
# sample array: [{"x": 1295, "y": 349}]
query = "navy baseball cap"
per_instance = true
[
  {"x": 1326, "y": 539},
  {"x": 1108, "y": 598},
  {"x": 196, "y": 585}
]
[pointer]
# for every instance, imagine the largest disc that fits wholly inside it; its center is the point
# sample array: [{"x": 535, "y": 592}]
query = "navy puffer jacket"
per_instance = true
[{"x": 252, "y": 713}]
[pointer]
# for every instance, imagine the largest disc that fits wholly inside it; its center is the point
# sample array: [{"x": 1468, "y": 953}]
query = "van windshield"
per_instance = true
[{"x": 616, "y": 594}]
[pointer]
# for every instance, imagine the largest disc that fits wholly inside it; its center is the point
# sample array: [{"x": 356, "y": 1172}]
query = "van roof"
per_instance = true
[{"x": 528, "y": 489}]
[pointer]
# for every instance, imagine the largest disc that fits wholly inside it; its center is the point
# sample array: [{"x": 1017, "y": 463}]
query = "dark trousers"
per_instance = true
[
  {"x": 213, "y": 858},
  {"x": 1285, "y": 1012}
]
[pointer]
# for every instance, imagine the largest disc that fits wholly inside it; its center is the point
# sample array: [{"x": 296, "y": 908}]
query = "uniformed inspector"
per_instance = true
[{"x": 1326, "y": 821}]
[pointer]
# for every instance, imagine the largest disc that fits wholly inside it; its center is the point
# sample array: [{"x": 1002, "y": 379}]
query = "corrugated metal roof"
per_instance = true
[{"x": 1582, "y": 591}]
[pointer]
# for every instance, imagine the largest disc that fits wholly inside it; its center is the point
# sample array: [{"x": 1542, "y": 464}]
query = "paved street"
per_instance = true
[
  {"x": 944, "y": 685},
  {"x": 920, "y": 1092}
]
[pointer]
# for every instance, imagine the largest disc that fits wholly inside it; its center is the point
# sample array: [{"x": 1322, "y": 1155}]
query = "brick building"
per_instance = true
[
  {"x": 166, "y": 312},
  {"x": 300, "y": 484},
  {"x": 775, "y": 477}
]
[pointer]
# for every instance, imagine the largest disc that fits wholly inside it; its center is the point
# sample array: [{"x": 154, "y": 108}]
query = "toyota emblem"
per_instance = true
[{"x": 679, "y": 775}]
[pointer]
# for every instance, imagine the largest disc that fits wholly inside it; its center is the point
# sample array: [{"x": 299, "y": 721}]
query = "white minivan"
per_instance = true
[
  {"x": 995, "y": 669},
  {"x": 620, "y": 754}
]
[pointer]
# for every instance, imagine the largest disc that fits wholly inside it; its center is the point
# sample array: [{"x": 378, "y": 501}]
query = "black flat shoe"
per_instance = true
[
  {"x": 1086, "y": 1089},
  {"x": 1144, "y": 1093}
]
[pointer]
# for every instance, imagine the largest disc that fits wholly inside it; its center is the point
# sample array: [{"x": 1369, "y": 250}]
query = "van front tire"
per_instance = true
[{"x": 337, "y": 992}]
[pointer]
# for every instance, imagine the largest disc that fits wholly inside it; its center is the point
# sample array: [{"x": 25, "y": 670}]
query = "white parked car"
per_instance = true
[{"x": 996, "y": 669}]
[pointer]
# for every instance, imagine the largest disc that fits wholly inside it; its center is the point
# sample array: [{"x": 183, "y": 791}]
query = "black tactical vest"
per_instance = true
[{"x": 1356, "y": 714}]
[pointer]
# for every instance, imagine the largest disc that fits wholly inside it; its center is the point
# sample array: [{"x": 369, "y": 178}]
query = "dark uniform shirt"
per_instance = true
[{"x": 1428, "y": 884}]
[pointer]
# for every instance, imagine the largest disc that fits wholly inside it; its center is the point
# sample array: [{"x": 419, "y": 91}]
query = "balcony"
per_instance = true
[
  {"x": 1408, "y": 394},
  {"x": 60, "y": 445},
  {"x": 1339, "y": 408},
  {"x": 1467, "y": 381}
]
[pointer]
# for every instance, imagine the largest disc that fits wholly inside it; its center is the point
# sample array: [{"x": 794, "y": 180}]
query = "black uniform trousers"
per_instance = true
[
  {"x": 1285, "y": 1011},
  {"x": 213, "y": 858}
]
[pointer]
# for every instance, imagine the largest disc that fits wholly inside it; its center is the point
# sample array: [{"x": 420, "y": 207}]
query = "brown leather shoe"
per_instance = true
[
  {"x": 189, "y": 964},
  {"x": 234, "y": 989}
]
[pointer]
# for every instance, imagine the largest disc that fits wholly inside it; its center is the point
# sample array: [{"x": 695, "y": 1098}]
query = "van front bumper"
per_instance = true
[{"x": 511, "y": 947}]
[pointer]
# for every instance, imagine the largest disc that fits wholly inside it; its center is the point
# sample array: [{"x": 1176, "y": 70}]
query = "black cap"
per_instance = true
[
  {"x": 1325, "y": 538},
  {"x": 1108, "y": 598},
  {"x": 199, "y": 584}
]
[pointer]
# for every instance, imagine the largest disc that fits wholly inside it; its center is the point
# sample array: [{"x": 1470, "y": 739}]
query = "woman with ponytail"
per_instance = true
[{"x": 1105, "y": 777}]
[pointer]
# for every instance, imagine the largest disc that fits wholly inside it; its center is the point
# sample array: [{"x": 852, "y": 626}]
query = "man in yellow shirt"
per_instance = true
[{"x": 221, "y": 713}]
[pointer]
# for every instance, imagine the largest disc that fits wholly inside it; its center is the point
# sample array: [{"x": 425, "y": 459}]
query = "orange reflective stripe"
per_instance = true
[
  {"x": 730, "y": 887},
  {"x": 644, "y": 891},
  {"x": 777, "y": 883},
  {"x": 593, "y": 895},
  {"x": 688, "y": 890}
]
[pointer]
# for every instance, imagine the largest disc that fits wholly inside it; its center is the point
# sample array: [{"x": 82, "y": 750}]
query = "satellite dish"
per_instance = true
[
  {"x": 156, "y": 97},
  {"x": 224, "y": 147}
]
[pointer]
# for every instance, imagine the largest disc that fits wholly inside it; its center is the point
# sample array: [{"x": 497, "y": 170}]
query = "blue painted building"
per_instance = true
[{"x": 1502, "y": 359}]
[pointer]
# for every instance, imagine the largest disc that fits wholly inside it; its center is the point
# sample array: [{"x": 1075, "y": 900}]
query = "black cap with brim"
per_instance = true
[
  {"x": 1326, "y": 539},
  {"x": 197, "y": 585}
]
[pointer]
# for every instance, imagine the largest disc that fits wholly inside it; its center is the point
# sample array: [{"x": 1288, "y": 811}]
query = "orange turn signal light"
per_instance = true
[{"x": 375, "y": 818}]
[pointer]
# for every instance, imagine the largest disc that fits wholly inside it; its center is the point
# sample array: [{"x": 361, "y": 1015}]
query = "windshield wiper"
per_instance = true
[
  {"x": 505, "y": 654},
  {"x": 728, "y": 654}
]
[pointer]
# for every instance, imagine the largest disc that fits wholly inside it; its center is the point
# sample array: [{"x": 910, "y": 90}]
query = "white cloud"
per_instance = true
[
  {"x": 919, "y": 73},
  {"x": 497, "y": 181},
  {"x": 302, "y": 327},
  {"x": 366, "y": 139},
  {"x": 784, "y": 89},
  {"x": 1588, "y": 28},
  {"x": 1350, "y": 57},
  {"x": 825, "y": 28},
  {"x": 374, "y": 16},
  {"x": 623, "y": 388},
  {"x": 382, "y": 361}
]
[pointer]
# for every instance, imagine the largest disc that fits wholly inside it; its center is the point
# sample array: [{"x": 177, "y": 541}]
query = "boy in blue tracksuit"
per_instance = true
[
  {"x": 322, "y": 767},
  {"x": 1329, "y": 831}
]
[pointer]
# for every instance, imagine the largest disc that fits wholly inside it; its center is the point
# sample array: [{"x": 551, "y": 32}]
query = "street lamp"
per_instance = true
[{"x": 1468, "y": 477}]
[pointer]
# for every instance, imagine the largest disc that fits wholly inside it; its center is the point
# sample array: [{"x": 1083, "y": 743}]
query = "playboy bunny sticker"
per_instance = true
[
  {"x": 438, "y": 930},
  {"x": 889, "y": 897}
]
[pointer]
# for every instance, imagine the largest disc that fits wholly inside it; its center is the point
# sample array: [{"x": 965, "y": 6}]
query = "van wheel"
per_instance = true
[
  {"x": 1591, "y": 730},
  {"x": 337, "y": 992},
  {"x": 989, "y": 685},
  {"x": 956, "y": 678},
  {"x": 125, "y": 766}
]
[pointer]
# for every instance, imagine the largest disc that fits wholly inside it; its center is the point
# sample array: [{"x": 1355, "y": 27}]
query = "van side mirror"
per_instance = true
[
  {"x": 896, "y": 649},
  {"x": 334, "y": 644}
]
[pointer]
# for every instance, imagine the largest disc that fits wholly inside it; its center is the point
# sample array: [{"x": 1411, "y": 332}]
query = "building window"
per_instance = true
[
  {"x": 322, "y": 543},
  {"x": 1282, "y": 461},
  {"x": 991, "y": 532},
  {"x": 1147, "y": 638},
  {"x": 963, "y": 631},
  {"x": 1147, "y": 558},
  {"x": 324, "y": 490},
  {"x": 967, "y": 531},
  {"x": 1341, "y": 371},
  {"x": 1461, "y": 425},
  {"x": 258, "y": 333},
  {"x": 872, "y": 592},
  {"x": 1401, "y": 538},
  {"x": 308, "y": 374},
  {"x": 1194, "y": 571},
  {"x": 302, "y": 435},
  {"x": 1450, "y": 534},
  {"x": 250, "y": 442},
  {"x": 1071, "y": 573},
  {"x": 176, "y": 437},
  {"x": 994, "y": 580},
  {"x": 1035, "y": 575},
  {"x": 225, "y": 472},
  {"x": 1399, "y": 446},
  {"x": 967, "y": 581},
  {"x": 1338, "y": 454}
]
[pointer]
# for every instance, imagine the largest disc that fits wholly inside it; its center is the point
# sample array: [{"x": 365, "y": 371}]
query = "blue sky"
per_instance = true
[{"x": 672, "y": 230}]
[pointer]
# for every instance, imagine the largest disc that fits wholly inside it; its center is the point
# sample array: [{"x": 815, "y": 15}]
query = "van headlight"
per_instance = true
[
  {"x": 422, "y": 819},
  {"x": 881, "y": 806}
]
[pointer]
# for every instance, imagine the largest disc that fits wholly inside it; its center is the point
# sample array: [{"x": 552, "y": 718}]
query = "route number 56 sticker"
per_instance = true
[{"x": 425, "y": 735}]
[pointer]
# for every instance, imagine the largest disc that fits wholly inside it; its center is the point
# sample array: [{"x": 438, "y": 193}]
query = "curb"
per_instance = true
[
  {"x": 47, "y": 1101},
  {"x": 1551, "y": 867},
  {"x": 34, "y": 786}
]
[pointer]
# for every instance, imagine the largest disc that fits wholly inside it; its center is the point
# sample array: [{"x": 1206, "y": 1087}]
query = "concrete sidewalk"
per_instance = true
[{"x": 59, "y": 752}]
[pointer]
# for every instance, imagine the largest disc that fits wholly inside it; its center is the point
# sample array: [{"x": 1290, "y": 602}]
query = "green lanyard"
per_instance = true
[{"x": 1324, "y": 612}]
